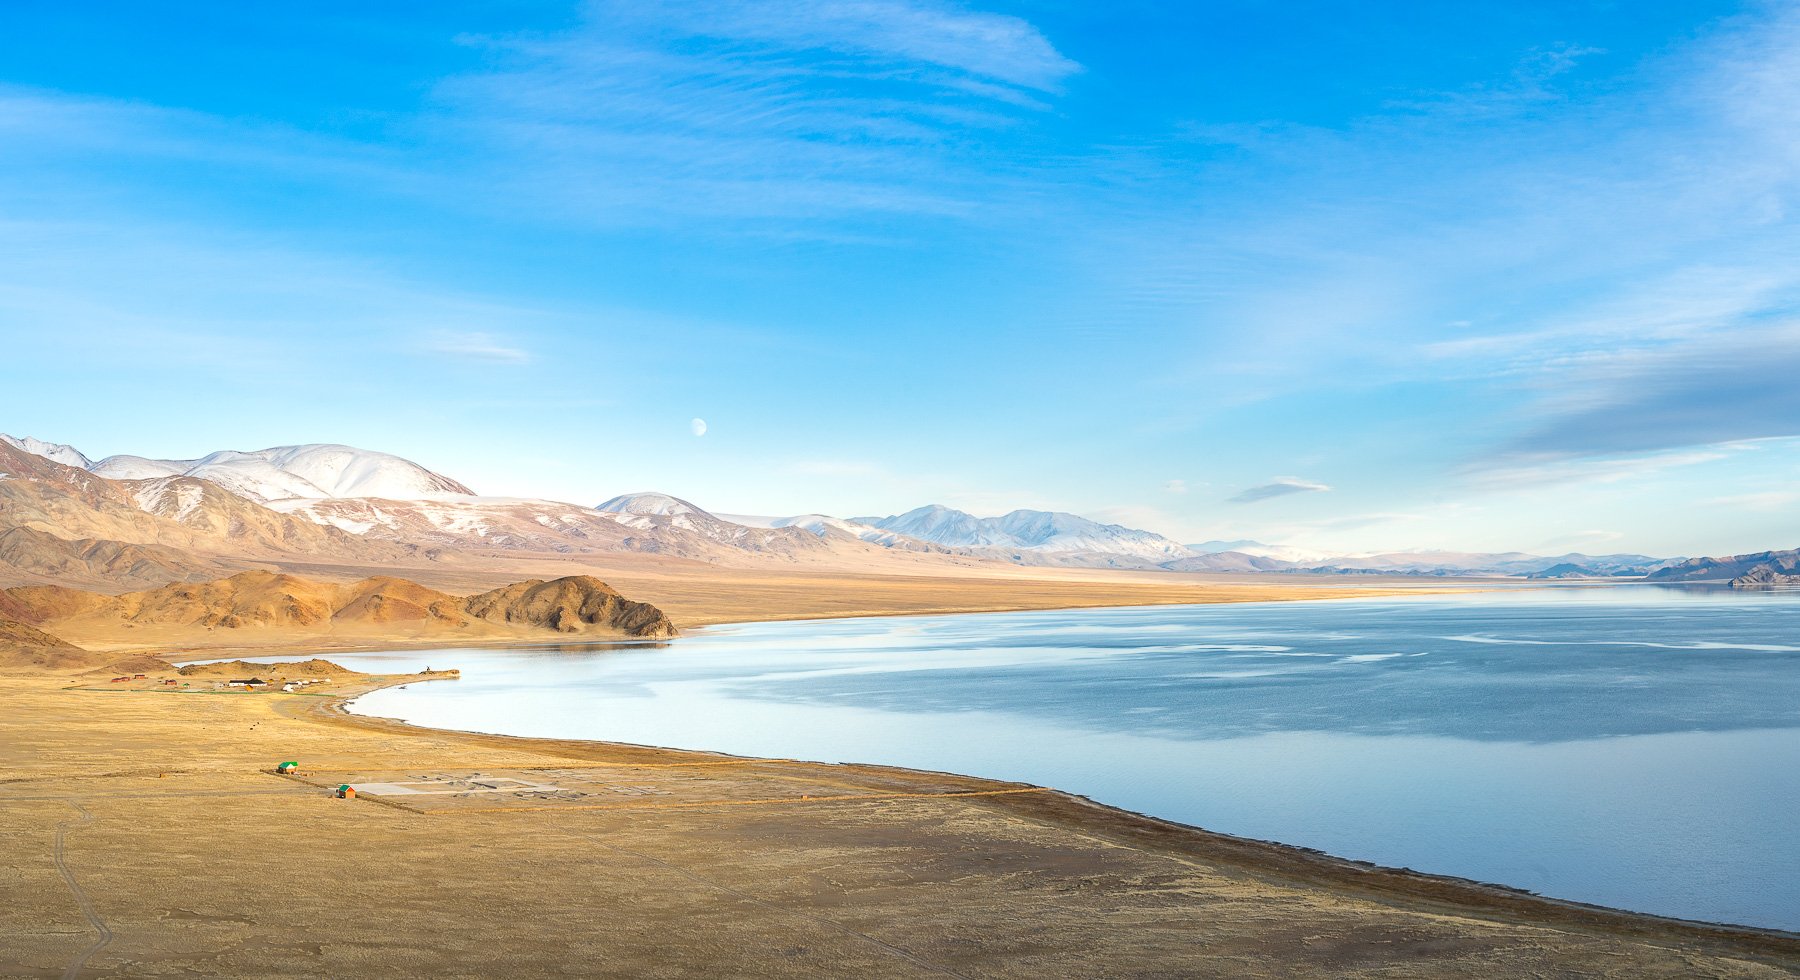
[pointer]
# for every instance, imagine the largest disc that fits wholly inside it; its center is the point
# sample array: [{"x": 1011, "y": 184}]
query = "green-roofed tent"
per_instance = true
[{"x": 287, "y": 767}]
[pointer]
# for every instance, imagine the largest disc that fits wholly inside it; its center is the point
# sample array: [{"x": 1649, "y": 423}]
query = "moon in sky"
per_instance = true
[{"x": 699, "y": 426}]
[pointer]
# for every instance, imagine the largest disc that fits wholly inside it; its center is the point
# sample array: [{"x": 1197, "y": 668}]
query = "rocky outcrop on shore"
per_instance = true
[
  {"x": 574, "y": 604},
  {"x": 1728, "y": 568},
  {"x": 1766, "y": 576}
]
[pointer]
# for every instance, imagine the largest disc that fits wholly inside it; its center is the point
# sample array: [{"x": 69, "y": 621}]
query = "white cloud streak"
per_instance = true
[{"x": 476, "y": 346}]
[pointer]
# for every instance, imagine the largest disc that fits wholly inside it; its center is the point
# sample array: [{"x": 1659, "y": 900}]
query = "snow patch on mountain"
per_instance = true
[
  {"x": 153, "y": 497},
  {"x": 361, "y": 521}
]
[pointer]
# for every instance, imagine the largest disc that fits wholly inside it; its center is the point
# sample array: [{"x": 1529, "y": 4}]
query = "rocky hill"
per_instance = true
[
  {"x": 576, "y": 604},
  {"x": 1767, "y": 576},
  {"x": 1728, "y": 568}
]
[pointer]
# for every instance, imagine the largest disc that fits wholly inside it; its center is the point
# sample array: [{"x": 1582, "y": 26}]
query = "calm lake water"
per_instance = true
[{"x": 1635, "y": 747}]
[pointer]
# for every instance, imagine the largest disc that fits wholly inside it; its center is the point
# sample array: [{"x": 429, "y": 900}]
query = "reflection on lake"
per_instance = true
[{"x": 1634, "y": 747}]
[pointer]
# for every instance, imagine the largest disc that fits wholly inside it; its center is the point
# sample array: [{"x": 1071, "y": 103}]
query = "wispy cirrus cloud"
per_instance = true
[
  {"x": 788, "y": 117},
  {"x": 1517, "y": 471},
  {"x": 1279, "y": 487},
  {"x": 999, "y": 48},
  {"x": 793, "y": 119},
  {"x": 1765, "y": 501},
  {"x": 476, "y": 346},
  {"x": 1731, "y": 388}
]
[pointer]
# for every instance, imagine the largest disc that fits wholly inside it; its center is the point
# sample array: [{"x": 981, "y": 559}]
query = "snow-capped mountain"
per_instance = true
[
  {"x": 197, "y": 518},
  {"x": 648, "y": 505},
  {"x": 312, "y": 471},
  {"x": 819, "y": 524},
  {"x": 56, "y": 452},
  {"x": 1049, "y": 532},
  {"x": 659, "y": 512}
]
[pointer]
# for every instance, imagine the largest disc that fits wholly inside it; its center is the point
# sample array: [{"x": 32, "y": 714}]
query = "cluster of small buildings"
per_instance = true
[
  {"x": 255, "y": 683},
  {"x": 128, "y": 678}
]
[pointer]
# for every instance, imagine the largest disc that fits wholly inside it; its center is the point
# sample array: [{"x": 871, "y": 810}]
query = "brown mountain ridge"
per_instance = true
[
  {"x": 92, "y": 530},
  {"x": 259, "y": 606}
]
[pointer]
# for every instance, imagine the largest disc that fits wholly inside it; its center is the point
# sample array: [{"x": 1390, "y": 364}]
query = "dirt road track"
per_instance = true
[{"x": 81, "y": 898}]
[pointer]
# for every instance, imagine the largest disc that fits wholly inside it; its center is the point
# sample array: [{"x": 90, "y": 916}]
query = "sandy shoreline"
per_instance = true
[{"x": 604, "y": 857}]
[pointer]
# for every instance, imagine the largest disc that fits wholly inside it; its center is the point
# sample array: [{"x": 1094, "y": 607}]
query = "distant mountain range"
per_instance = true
[
  {"x": 131, "y": 520},
  {"x": 1044, "y": 532},
  {"x": 1245, "y": 546},
  {"x": 1510, "y": 563}
]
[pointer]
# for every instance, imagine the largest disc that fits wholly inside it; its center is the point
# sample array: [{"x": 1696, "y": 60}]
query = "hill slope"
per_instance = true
[
  {"x": 90, "y": 561},
  {"x": 25, "y": 646}
]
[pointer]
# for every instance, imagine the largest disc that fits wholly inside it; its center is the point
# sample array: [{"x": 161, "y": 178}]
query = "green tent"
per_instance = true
[{"x": 287, "y": 767}]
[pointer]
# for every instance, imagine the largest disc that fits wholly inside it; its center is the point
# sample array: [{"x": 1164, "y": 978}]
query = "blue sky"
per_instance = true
[{"x": 1492, "y": 276}]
